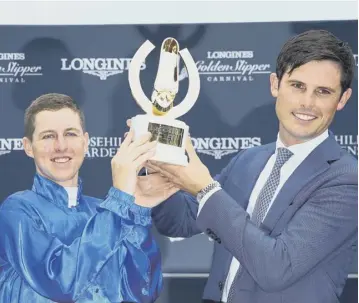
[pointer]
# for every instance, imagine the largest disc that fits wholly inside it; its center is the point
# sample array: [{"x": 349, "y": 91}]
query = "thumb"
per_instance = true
[{"x": 190, "y": 149}]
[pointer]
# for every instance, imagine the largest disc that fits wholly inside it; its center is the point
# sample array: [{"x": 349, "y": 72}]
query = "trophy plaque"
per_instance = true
[{"x": 161, "y": 115}]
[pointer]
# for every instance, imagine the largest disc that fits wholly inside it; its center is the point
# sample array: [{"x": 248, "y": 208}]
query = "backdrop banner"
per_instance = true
[{"x": 234, "y": 111}]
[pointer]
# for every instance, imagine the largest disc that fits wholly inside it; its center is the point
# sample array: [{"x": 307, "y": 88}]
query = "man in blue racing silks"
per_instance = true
[{"x": 58, "y": 245}]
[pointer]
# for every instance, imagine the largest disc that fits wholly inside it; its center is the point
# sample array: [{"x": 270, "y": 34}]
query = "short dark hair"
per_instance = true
[
  {"x": 50, "y": 102},
  {"x": 316, "y": 45}
]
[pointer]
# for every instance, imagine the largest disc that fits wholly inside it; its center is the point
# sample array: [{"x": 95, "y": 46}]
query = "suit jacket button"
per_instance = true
[{"x": 220, "y": 285}]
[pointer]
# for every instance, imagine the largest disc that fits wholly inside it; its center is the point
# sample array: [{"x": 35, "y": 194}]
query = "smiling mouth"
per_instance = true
[
  {"x": 61, "y": 159},
  {"x": 304, "y": 117}
]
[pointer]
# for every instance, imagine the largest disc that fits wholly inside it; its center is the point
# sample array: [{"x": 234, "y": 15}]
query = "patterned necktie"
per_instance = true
[
  {"x": 266, "y": 194},
  {"x": 264, "y": 199}
]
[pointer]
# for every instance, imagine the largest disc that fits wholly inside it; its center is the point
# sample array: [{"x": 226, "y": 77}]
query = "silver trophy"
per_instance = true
[{"x": 161, "y": 115}]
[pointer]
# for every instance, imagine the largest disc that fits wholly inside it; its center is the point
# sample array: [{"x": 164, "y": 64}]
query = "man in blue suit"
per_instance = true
[{"x": 283, "y": 215}]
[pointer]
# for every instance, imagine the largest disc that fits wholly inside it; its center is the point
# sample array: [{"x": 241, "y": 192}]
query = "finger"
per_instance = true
[
  {"x": 143, "y": 139},
  {"x": 152, "y": 177},
  {"x": 169, "y": 174},
  {"x": 129, "y": 122},
  {"x": 137, "y": 151},
  {"x": 151, "y": 167},
  {"x": 140, "y": 161},
  {"x": 154, "y": 182},
  {"x": 150, "y": 171},
  {"x": 157, "y": 178},
  {"x": 190, "y": 149},
  {"x": 128, "y": 138},
  {"x": 155, "y": 167},
  {"x": 161, "y": 167},
  {"x": 173, "y": 169}
]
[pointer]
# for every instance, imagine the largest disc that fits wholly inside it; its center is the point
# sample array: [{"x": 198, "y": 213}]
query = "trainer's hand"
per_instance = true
[
  {"x": 153, "y": 189},
  {"x": 191, "y": 178}
]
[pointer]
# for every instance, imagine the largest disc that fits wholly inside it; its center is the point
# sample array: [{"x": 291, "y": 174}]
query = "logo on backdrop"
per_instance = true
[
  {"x": 12, "y": 69},
  {"x": 106, "y": 147},
  {"x": 219, "y": 147},
  {"x": 349, "y": 143},
  {"x": 103, "y": 147},
  {"x": 10, "y": 144},
  {"x": 229, "y": 66},
  {"x": 99, "y": 147},
  {"x": 100, "y": 67}
]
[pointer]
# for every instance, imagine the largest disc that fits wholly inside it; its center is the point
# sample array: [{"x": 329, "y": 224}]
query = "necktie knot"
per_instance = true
[{"x": 283, "y": 155}]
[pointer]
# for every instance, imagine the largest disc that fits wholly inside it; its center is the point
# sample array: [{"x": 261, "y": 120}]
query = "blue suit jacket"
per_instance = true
[{"x": 303, "y": 249}]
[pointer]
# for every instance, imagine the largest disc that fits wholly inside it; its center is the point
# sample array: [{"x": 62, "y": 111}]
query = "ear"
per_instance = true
[
  {"x": 344, "y": 99},
  {"x": 28, "y": 147},
  {"x": 274, "y": 84},
  {"x": 87, "y": 141}
]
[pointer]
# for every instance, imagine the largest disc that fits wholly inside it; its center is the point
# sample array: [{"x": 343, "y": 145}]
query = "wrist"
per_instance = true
[
  {"x": 126, "y": 188},
  {"x": 125, "y": 183},
  {"x": 215, "y": 185},
  {"x": 203, "y": 184}
]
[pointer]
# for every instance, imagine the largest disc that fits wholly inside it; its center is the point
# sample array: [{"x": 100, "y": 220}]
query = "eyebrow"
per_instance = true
[
  {"x": 321, "y": 87},
  {"x": 66, "y": 130}
]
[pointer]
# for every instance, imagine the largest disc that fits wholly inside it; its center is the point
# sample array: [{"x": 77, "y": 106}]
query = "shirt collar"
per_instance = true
[
  {"x": 54, "y": 192},
  {"x": 302, "y": 150}
]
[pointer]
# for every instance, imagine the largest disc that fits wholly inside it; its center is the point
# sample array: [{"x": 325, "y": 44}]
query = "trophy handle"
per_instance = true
[
  {"x": 194, "y": 86},
  {"x": 135, "y": 84},
  {"x": 134, "y": 76}
]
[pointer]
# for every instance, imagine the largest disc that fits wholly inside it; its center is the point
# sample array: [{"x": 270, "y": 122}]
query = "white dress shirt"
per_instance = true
[
  {"x": 72, "y": 193},
  {"x": 300, "y": 152}
]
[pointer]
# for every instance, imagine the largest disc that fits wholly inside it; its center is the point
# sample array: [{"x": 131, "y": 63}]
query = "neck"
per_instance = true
[
  {"x": 73, "y": 182},
  {"x": 289, "y": 140}
]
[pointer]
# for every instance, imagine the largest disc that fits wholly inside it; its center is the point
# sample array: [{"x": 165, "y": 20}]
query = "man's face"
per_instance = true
[
  {"x": 58, "y": 145},
  {"x": 307, "y": 100}
]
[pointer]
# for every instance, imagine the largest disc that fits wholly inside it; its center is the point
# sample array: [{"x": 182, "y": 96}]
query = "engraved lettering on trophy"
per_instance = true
[{"x": 166, "y": 134}]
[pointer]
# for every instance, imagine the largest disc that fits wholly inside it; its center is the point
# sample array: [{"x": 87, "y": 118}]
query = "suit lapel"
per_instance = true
[{"x": 315, "y": 164}]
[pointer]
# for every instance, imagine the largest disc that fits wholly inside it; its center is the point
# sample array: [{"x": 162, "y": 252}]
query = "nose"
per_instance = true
[
  {"x": 60, "y": 144},
  {"x": 308, "y": 100}
]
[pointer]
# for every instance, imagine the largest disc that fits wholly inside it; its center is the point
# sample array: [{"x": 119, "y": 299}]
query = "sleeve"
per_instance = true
[
  {"x": 326, "y": 221},
  {"x": 63, "y": 272},
  {"x": 176, "y": 217},
  {"x": 202, "y": 202}
]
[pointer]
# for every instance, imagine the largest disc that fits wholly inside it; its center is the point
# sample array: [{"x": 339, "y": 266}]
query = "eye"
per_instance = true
[
  {"x": 71, "y": 134},
  {"x": 323, "y": 91},
  {"x": 298, "y": 85},
  {"x": 48, "y": 136}
]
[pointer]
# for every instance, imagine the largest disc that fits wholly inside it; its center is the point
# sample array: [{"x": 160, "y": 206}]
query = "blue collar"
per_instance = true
[{"x": 54, "y": 192}]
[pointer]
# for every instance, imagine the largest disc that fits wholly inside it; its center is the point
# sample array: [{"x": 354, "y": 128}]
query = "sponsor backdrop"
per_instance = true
[{"x": 234, "y": 110}]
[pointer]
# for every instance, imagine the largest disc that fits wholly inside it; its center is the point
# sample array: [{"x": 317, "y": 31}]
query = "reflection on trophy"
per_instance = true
[
  {"x": 161, "y": 114},
  {"x": 166, "y": 84}
]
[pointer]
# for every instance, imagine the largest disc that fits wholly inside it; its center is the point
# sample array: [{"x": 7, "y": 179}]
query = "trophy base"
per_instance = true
[{"x": 171, "y": 136}]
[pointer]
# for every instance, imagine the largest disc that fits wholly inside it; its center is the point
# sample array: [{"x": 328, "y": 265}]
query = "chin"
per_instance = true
[
  {"x": 302, "y": 136},
  {"x": 63, "y": 177}
]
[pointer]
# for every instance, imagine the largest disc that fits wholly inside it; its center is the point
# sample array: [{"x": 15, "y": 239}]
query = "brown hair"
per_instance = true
[{"x": 50, "y": 102}]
